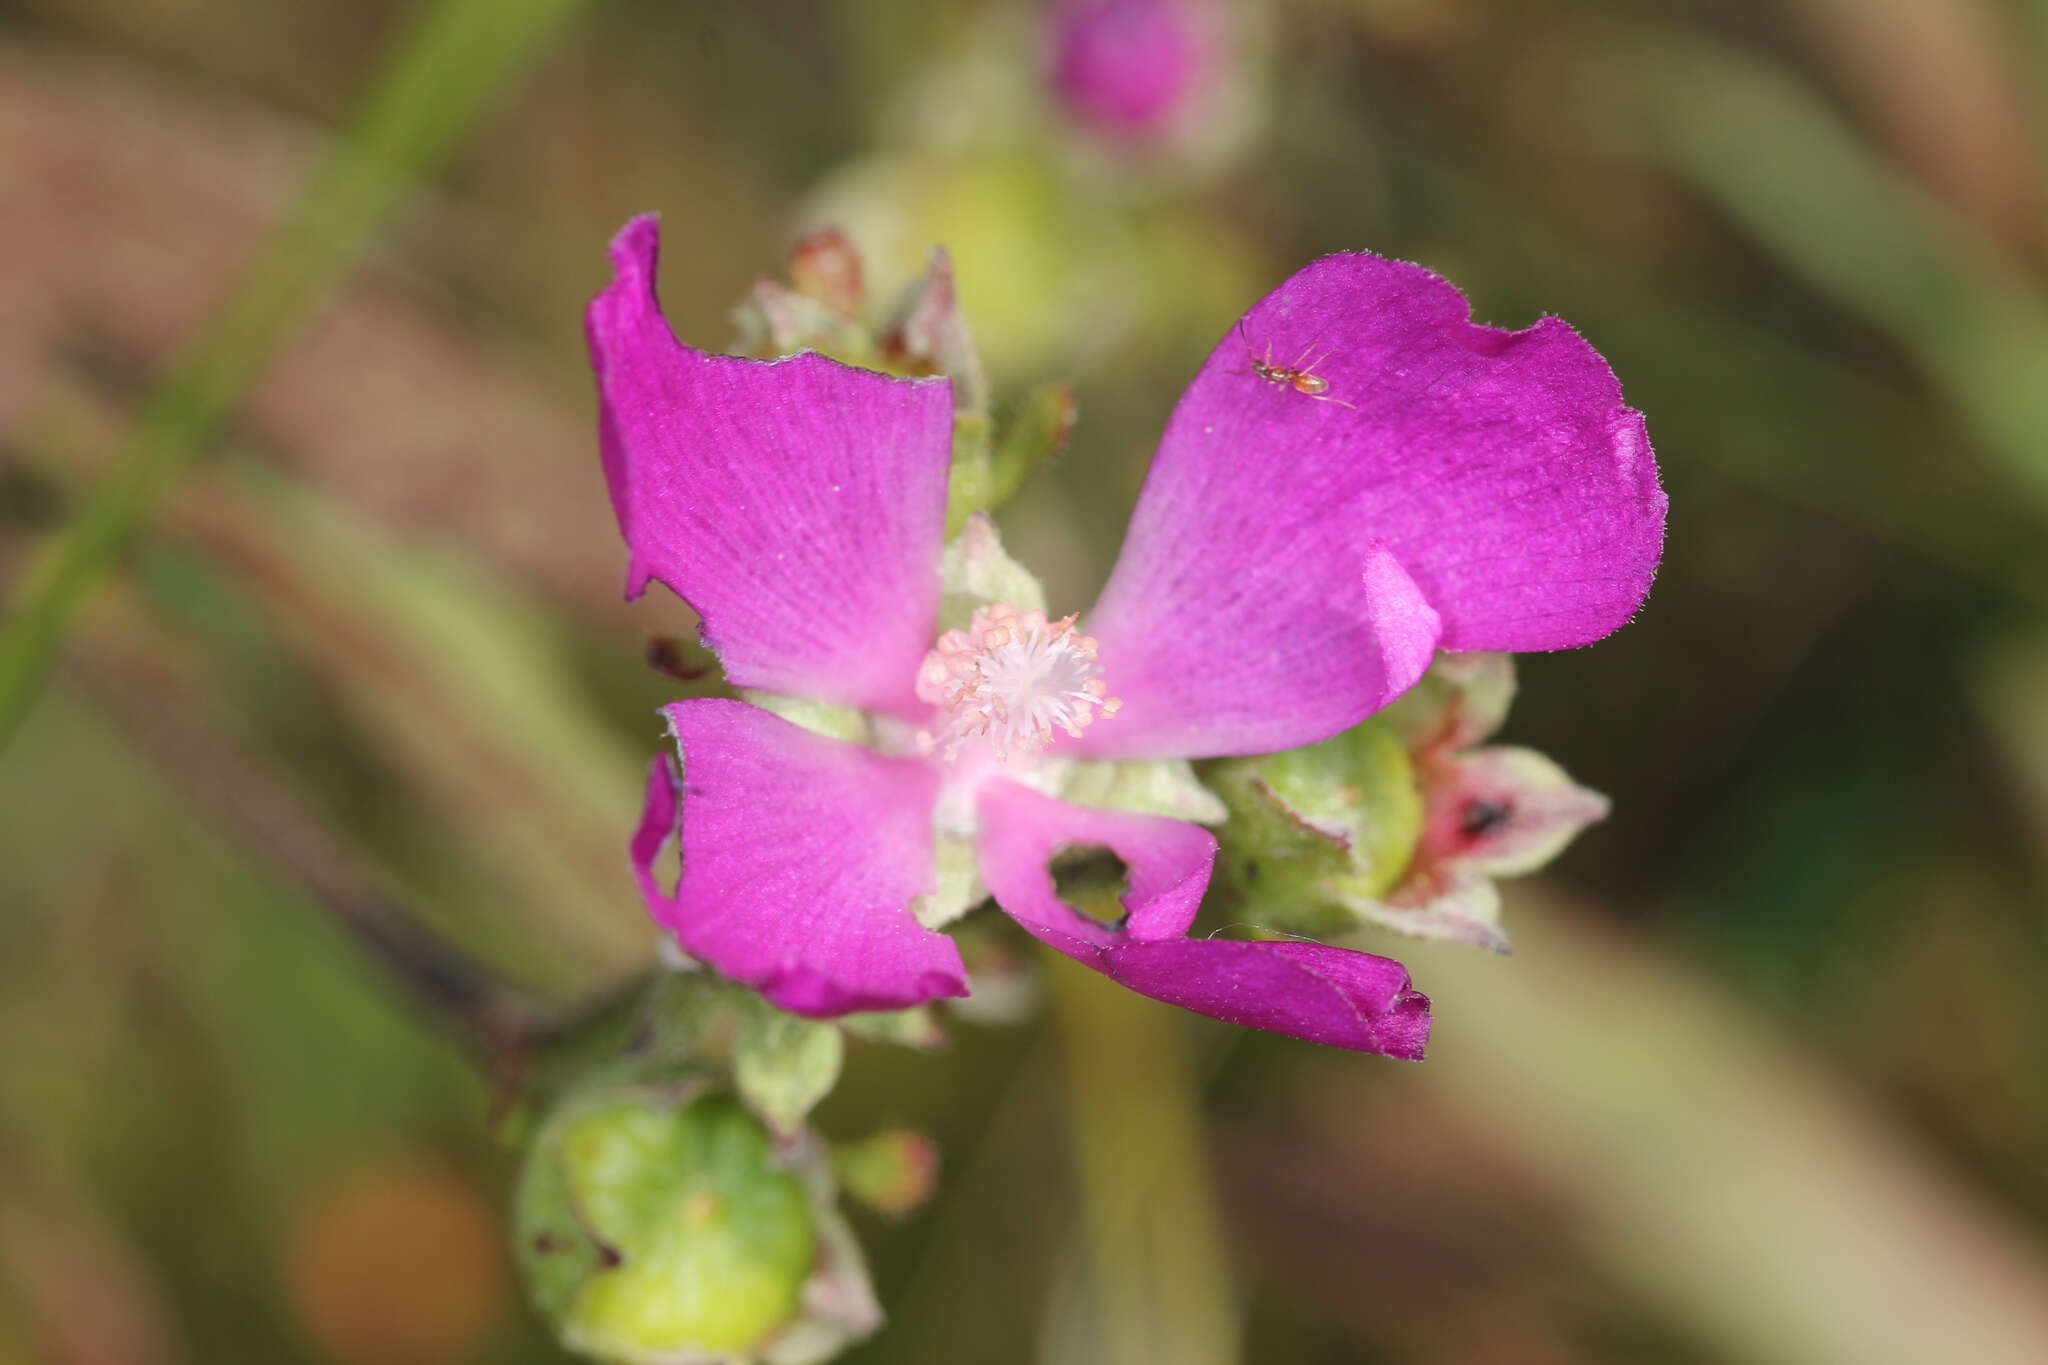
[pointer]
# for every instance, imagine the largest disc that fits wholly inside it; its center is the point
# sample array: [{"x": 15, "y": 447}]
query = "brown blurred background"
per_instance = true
[{"x": 1767, "y": 1077}]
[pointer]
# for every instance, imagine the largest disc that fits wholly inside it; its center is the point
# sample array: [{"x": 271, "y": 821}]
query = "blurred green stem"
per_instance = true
[
  {"x": 1154, "y": 1235},
  {"x": 444, "y": 76}
]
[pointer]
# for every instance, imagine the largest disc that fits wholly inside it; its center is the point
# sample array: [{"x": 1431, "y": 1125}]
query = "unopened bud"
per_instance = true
[
  {"x": 663, "y": 1226},
  {"x": 1313, "y": 828},
  {"x": 891, "y": 1172},
  {"x": 1401, "y": 821},
  {"x": 826, "y": 265}
]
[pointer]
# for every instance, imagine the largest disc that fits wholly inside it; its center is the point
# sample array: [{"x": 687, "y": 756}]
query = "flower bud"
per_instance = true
[
  {"x": 826, "y": 266},
  {"x": 1401, "y": 821},
  {"x": 663, "y": 1226},
  {"x": 1312, "y": 830},
  {"x": 819, "y": 309},
  {"x": 892, "y": 1171},
  {"x": 1128, "y": 65}
]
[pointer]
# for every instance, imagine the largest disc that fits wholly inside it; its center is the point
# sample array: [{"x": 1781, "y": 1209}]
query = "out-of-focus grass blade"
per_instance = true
[
  {"x": 1772, "y": 154},
  {"x": 1713, "y": 1169},
  {"x": 2010, "y": 687},
  {"x": 461, "y": 686},
  {"x": 445, "y": 74}
]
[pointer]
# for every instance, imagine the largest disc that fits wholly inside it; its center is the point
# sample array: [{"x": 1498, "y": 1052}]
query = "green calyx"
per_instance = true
[
  {"x": 656, "y": 1227},
  {"x": 1316, "y": 831},
  {"x": 987, "y": 467}
]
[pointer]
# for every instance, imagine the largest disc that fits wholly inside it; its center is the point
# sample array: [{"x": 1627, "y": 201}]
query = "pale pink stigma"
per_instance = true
[{"x": 1013, "y": 678}]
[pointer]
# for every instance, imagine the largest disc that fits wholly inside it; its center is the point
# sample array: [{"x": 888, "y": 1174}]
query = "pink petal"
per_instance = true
[
  {"x": 1218, "y": 657},
  {"x": 1327, "y": 995},
  {"x": 797, "y": 504},
  {"x": 1499, "y": 470},
  {"x": 801, "y": 855}
]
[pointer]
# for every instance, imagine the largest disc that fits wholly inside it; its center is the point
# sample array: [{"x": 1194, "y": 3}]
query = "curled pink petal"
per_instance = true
[
  {"x": 657, "y": 830},
  {"x": 799, "y": 505},
  {"x": 801, "y": 855},
  {"x": 1358, "y": 406},
  {"x": 1327, "y": 995}
]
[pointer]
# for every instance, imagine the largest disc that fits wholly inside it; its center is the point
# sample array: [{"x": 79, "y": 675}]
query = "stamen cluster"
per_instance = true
[{"x": 1011, "y": 678}]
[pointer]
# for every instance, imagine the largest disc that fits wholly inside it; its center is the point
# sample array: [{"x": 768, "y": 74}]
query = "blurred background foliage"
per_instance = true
[{"x": 300, "y": 505}]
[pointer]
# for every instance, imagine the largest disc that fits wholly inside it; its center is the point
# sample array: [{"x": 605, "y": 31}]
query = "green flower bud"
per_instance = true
[
  {"x": 663, "y": 1226},
  {"x": 1403, "y": 821},
  {"x": 1312, "y": 830},
  {"x": 891, "y": 1172}
]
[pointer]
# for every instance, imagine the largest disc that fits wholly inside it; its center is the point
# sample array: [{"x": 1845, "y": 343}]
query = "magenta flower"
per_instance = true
[
  {"x": 1128, "y": 65},
  {"x": 1358, "y": 477}
]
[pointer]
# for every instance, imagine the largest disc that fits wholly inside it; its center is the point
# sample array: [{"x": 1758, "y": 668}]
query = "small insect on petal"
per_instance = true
[{"x": 1298, "y": 376}]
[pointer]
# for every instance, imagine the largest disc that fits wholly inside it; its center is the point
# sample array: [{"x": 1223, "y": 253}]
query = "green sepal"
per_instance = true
[
  {"x": 819, "y": 717},
  {"x": 1461, "y": 700},
  {"x": 784, "y": 1064},
  {"x": 1160, "y": 786},
  {"x": 984, "y": 478},
  {"x": 917, "y": 1027},
  {"x": 957, "y": 886},
  {"x": 1315, "y": 829},
  {"x": 775, "y": 320},
  {"x": 971, "y": 476},
  {"x": 975, "y": 571}
]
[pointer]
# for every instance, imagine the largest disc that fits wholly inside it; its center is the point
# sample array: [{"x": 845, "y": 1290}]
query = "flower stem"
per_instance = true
[{"x": 1155, "y": 1246}]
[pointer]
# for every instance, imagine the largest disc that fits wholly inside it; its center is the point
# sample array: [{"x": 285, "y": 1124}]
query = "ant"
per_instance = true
[{"x": 1301, "y": 377}]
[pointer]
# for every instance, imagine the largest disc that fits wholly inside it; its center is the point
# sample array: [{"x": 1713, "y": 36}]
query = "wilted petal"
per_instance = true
[
  {"x": 1327, "y": 995},
  {"x": 1500, "y": 470},
  {"x": 797, "y": 504},
  {"x": 801, "y": 855}
]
